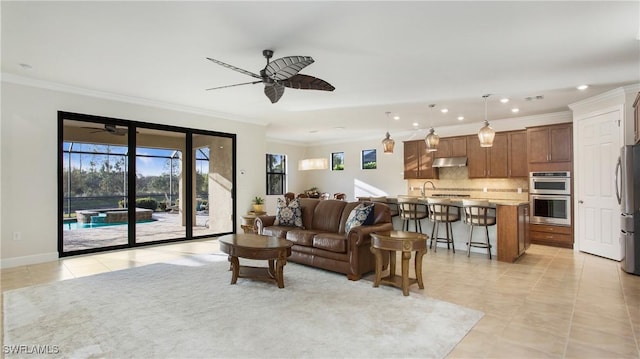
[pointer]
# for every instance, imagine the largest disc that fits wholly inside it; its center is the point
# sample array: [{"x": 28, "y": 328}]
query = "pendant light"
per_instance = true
[
  {"x": 432, "y": 140},
  {"x": 486, "y": 133},
  {"x": 388, "y": 143}
]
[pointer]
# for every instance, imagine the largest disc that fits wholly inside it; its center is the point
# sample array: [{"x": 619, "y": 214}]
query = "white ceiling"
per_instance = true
[{"x": 381, "y": 56}]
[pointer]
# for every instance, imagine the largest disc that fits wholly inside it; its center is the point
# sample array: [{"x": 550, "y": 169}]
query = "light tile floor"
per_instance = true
[{"x": 552, "y": 303}]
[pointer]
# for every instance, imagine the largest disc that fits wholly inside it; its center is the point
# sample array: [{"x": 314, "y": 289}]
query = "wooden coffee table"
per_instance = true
[
  {"x": 406, "y": 242},
  {"x": 254, "y": 246}
]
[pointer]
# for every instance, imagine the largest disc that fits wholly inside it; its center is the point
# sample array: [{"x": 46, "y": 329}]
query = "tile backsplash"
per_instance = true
[{"x": 455, "y": 180}]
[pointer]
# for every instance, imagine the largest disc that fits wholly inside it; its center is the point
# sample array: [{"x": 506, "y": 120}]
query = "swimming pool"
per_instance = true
[{"x": 69, "y": 226}]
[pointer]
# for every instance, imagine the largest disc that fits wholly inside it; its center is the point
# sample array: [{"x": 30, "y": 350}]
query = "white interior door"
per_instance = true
[{"x": 597, "y": 210}]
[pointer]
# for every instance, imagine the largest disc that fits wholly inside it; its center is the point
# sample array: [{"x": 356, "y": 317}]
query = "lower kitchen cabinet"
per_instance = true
[
  {"x": 512, "y": 231},
  {"x": 549, "y": 235}
]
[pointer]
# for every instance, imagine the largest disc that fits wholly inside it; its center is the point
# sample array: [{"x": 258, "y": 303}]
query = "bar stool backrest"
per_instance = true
[{"x": 477, "y": 212}]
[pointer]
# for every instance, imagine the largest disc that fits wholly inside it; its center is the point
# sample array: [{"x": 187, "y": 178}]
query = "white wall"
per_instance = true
[{"x": 28, "y": 157}]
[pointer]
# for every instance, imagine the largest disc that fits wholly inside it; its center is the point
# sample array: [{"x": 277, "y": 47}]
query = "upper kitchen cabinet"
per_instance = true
[
  {"x": 518, "y": 154},
  {"x": 452, "y": 147},
  {"x": 488, "y": 161},
  {"x": 417, "y": 161},
  {"x": 550, "y": 147}
]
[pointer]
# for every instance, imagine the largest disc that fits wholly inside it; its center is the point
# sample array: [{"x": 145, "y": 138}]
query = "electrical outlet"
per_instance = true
[
  {"x": 519, "y": 190},
  {"x": 484, "y": 189},
  {"x": 17, "y": 236}
]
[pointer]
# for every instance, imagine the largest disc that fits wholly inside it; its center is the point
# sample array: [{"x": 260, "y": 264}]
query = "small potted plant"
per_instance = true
[{"x": 258, "y": 204}]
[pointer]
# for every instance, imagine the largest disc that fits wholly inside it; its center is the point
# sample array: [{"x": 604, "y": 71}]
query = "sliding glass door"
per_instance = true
[{"x": 124, "y": 183}]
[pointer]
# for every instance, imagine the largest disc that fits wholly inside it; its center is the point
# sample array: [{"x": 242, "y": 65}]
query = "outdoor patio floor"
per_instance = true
[{"x": 165, "y": 226}]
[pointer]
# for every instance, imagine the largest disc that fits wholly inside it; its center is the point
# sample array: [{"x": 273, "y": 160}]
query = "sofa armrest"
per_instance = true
[
  {"x": 361, "y": 235},
  {"x": 263, "y": 221}
]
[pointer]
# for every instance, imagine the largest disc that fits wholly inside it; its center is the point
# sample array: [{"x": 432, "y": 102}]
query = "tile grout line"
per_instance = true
[
  {"x": 573, "y": 308},
  {"x": 626, "y": 305}
]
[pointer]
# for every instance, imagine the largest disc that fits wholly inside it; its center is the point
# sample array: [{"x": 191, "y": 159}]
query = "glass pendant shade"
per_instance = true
[
  {"x": 432, "y": 140},
  {"x": 388, "y": 143},
  {"x": 486, "y": 135}
]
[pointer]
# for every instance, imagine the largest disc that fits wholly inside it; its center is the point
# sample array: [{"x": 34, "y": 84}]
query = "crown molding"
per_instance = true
[
  {"x": 617, "y": 93},
  {"x": 54, "y": 86}
]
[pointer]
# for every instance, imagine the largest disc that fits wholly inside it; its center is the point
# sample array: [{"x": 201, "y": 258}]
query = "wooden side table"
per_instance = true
[{"x": 405, "y": 242}]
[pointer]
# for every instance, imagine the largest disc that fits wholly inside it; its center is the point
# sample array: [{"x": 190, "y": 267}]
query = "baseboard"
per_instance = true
[{"x": 27, "y": 260}]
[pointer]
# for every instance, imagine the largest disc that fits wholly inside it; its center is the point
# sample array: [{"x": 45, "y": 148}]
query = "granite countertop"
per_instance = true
[{"x": 458, "y": 200}]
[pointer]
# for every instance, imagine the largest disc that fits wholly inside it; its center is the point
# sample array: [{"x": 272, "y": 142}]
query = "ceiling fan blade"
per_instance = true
[
  {"x": 284, "y": 68},
  {"x": 306, "y": 82},
  {"x": 273, "y": 91},
  {"x": 244, "y": 83},
  {"x": 234, "y": 68}
]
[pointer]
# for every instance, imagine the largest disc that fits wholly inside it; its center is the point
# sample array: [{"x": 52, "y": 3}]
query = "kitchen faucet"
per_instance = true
[{"x": 422, "y": 191}]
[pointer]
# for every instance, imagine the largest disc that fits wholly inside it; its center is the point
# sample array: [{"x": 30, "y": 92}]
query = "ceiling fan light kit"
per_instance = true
[
  {"x": 278, "y": 74},
  {"x": 486, "y": 133}
]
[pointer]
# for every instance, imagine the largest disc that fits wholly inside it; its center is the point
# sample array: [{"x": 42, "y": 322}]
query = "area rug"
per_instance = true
[{"x": 188, "y": 309}]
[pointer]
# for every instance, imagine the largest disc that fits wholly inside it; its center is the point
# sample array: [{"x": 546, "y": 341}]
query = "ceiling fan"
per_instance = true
[
  {"x": 280, "y": 73},
  {"x": 111, "y": 129}
]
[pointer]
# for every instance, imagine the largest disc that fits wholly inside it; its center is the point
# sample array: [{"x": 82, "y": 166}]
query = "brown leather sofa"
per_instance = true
[{"x": 323, "y": 242}]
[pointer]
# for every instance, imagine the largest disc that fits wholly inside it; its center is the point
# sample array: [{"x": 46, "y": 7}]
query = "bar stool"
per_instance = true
[
  {"x": 478, "y": 214},
  {"x": 442, "y": 212},
  {"x": 411, "y": 210}
]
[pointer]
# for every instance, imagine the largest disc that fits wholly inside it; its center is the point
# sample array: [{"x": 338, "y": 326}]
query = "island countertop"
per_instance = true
[{"x": 457, "y": 201}]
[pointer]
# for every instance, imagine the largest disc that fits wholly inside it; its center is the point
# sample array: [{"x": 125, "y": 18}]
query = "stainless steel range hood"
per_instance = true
[{"x": 450, "y": 162}]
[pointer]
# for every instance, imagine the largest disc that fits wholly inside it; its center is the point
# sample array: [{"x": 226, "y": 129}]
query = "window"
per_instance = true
[
  {"x": 276, "y": 173},
  {"x": 337, "y": 161},
  {"x": 369, "y": 160}
]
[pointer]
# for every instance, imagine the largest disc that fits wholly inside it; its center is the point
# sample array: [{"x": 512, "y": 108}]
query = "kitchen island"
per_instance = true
[{"x": 510, "y": 235}]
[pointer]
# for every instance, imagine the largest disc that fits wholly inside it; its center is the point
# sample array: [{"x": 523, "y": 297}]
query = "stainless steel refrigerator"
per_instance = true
[{"x": 628, "y": 192}]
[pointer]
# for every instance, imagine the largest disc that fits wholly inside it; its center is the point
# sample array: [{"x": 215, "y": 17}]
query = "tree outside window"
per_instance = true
[
  {"x": 369, "y": 161},
  {"x": 276, "y": 174},
  {"x": 337, "y": 161}
]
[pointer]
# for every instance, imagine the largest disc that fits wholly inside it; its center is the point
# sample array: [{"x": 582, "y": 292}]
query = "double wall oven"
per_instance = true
[{"x": 550, "y": 197}]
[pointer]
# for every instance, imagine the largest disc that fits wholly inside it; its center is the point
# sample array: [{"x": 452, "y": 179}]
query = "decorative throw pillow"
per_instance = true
[
  {"x": 362, "y": 214},
  {"x": 289, "y": 214}
]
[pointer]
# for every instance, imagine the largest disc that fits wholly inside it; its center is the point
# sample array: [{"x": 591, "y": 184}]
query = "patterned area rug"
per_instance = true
[{"x": 188, "y": 309}]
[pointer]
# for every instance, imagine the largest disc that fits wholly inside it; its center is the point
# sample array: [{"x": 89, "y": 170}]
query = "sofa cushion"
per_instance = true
[
  {"x": 330, "y": 241},
  {"x": 303, "y": 237},
  {"x": 288, "y": 214},
  {"x": 327, "y": 215},
  {"x": 362, "y": 214}
]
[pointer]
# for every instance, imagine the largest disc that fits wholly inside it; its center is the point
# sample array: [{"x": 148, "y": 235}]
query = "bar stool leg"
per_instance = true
[
  {"x": 488, "y": 241},
  {"x": 453, "y": 245},
  {"x": 469, "y": 242}
]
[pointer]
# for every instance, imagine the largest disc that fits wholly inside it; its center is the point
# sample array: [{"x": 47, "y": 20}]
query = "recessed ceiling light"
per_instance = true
[
  {"x": 504, "y": 100},
  {"x": 460, "y": 118},
  {"x": 444, "y": 110},
  {"x": 396, "y": 117},
  {"x": 515, "y": 110},
  {"x": 415, "y": 124},
  {"x": 582, "y": 87},
  {"x": 26, "y": 66}
]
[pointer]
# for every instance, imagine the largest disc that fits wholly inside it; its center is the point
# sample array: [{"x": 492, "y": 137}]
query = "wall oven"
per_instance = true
[
  {"x": 550, "y": 197},
  {"x": 550, "y": 209},
  {"x": 550, "y": 183}
]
